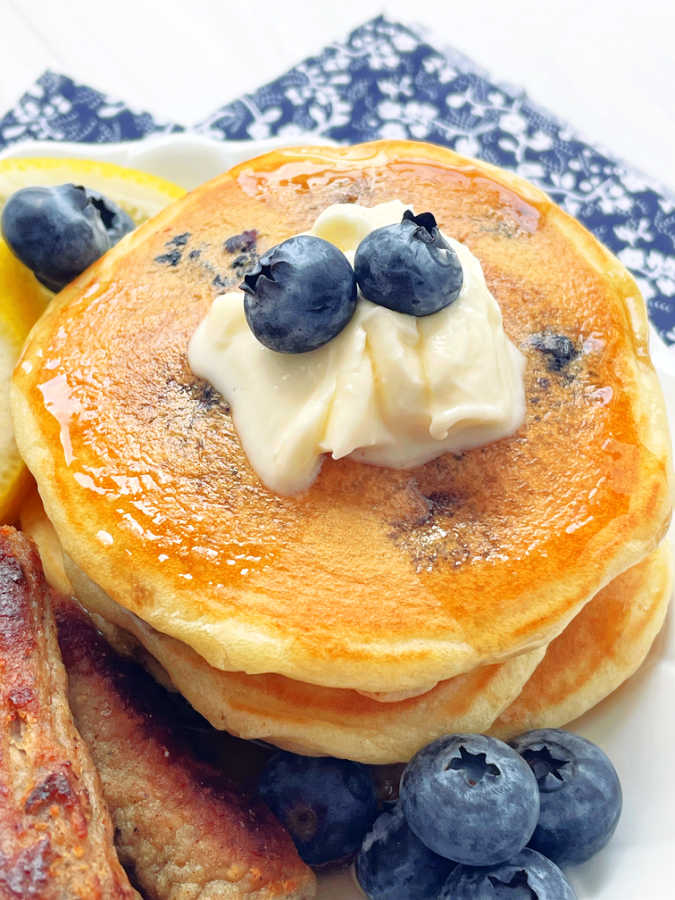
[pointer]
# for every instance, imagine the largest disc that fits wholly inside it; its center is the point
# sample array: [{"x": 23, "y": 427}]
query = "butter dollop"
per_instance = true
[{"x": 390, "y": 390}]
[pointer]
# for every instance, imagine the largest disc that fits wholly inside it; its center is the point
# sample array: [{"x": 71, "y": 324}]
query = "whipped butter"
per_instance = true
[{"x": 390, "y": 390}]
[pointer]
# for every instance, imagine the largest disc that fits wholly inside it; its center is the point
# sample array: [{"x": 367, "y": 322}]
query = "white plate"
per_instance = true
[
  {"x": 635, "y": 725},
  {"x": 185, "y": 159}
]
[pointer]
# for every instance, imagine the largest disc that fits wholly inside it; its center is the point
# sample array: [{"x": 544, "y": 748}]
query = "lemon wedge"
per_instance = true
[{"x": 23, "y": 298}]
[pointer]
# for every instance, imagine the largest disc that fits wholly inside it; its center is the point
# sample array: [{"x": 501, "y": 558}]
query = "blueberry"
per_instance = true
[
  {"x": 393, "y": 864},
  {"x": 58, "y": 231},
  {"x": 580, "y": 794},
  {"x": 558, "y": 349},
  {"x": 470, "y": 798},
  {"x": 528, "y": 876},
  {"x": 116, "y": 222},
  {"x": 326, "y": 804},
  {"x": 409, "y": 267},
  {"x": 299, "y": 295}
]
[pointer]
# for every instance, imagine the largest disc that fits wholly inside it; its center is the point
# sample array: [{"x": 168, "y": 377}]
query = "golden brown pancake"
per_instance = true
[
  {"x": 295, "y": 715},
  {"x": 37, "y": 526},
  {"x": 373, "y": 579},
  {"x": 598, "y": 651},
  {"x": 312, "y": 719},
  {"x": 602, "y": 646}
]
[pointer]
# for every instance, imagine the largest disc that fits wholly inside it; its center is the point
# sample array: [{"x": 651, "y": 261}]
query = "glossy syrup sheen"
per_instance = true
[{"x": 151, "y": 492}]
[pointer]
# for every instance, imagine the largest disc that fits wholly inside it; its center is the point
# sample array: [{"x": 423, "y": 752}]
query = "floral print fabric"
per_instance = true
[{"x": 387, "y": 81}]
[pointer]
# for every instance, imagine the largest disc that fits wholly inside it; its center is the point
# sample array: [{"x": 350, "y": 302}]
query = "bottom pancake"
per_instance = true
[
  {"x": 600, "y": 648},
  {"x": 597, "y": 652}
]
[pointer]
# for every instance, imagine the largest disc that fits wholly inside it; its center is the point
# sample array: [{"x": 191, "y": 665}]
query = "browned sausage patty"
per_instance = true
[
  {"x": 183, "y": 828},
  {"x": 56, "y": 839}
]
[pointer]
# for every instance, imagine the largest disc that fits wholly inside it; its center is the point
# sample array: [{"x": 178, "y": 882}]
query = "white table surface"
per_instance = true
[{"x": 608, "y": 66}]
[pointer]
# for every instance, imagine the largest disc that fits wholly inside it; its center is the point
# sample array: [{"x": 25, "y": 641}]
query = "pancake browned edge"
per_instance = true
[
  {"x": 307, "y": 718},
  {"x": 601, "y": 648},
  {"x": 374, "y": 579},
  {"x": 181, "y": 827},
  {"x": 56, "y": 837}
]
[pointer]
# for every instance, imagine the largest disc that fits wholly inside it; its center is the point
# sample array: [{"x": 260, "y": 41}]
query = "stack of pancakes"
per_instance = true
[{"x": 507, "y": 587}]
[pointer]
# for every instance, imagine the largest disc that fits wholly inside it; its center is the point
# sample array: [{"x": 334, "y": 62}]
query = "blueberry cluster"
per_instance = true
[
  {"x": 59, "y": 231},
  {"x": 504, "y": 817},
  {"x": 302, "y": 293},
  {"x": 475, "y": 818}
]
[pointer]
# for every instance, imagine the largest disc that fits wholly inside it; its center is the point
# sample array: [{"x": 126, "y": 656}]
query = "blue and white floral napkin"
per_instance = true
[{"x": 387, "y": 81}]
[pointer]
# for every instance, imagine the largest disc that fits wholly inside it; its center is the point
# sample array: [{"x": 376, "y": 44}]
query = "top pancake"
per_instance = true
[{"x": 374, "y": 579}]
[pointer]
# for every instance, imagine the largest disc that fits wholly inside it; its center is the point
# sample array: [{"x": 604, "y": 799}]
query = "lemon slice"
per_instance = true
[
  {"x": 140, "y": 194},
  {"x": 23, "y": 298}
]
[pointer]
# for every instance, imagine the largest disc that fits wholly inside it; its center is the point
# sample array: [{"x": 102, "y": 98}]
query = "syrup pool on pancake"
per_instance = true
[{"x": 413, "y": 364}]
